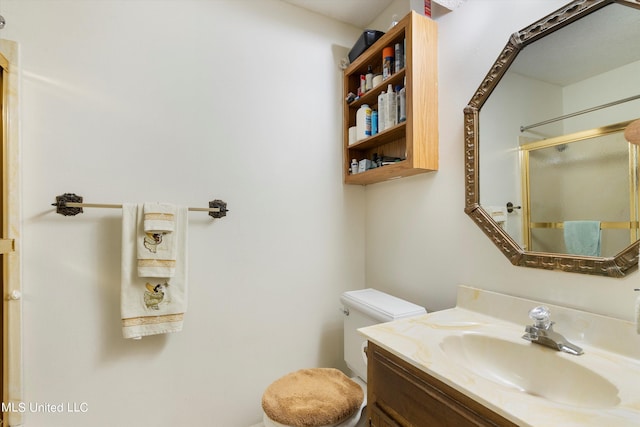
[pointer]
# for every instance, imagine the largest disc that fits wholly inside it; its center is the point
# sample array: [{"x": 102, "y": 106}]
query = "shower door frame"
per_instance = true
[{"x": 634, "y": 190}]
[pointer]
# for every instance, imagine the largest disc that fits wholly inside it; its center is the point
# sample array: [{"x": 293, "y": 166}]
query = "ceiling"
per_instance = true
[
  {"x": 359, "y": 13},
  {"x": 547, "y": 58}
]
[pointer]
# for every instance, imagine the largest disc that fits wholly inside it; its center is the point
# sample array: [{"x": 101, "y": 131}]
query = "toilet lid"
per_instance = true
[{"x": 312, "y": 398}]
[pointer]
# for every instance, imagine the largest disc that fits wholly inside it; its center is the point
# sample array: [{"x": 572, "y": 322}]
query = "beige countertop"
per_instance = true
[{"x": 599, "y": 388}]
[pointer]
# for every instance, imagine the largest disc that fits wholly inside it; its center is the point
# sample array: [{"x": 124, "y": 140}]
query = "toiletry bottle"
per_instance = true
[
  {"x": 391, "y": 109},
  {"x": 374, "y": 164},
  {"x": 377, "y": 160},
  {"x": 398, "y": 58},
  {"x": 363, "y": 84},
  {"x": 402, "y": 103},
  {"x": 404, "y": 52},
  {"x": 354, "y": 166},
  {"x": 382, "y": 100},
  {"x": 374, "y": 122},
  {"x": 369, "y": 79},
  {"x": 387, "y": 62},
  {"x": 394, "y": 21},
  {"x": 363, "y": 122},
  {"x": 367, "y": 120}
]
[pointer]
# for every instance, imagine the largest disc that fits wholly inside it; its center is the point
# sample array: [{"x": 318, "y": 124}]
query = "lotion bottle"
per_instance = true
[{"x": 382, "y": 111}]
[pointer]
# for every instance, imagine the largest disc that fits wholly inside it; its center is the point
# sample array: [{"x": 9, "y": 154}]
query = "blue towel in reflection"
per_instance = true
[{"x": 582, "y": 237}]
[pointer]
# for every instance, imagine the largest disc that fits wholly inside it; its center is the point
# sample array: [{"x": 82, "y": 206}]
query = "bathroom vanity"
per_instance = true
[
  {"x": 399, "y": 394},
  {"x": 470, "y": 366}
]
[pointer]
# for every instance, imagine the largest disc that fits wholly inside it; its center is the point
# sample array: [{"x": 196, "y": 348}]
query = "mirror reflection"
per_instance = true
[
  {"x": 571, "y": 72},
  {"x": 582, "y": 77}
]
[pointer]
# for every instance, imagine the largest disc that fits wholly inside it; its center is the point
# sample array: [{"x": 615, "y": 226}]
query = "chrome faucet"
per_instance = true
[{"x": 541, "y": 332}]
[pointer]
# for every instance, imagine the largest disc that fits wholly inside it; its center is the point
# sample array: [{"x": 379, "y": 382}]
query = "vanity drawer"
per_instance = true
[
  {"x": 400, "y": 395},
  {"x": 379, "y": 419}
]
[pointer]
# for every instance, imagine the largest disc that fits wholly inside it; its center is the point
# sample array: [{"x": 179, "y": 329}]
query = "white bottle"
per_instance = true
[
  {"x": 369, "y": 79},
  {"x": 382, "y": 115},
  {"x": 354, "y": 166},
  {"x": 391, "y": 109},
  {"x": 363, "y": 122},
  {"x": 402, "y": 104}
]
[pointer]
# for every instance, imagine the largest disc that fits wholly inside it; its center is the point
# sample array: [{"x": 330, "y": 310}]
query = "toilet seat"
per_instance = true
[
  {"x": 318, "y": 397},
  {"x": 356, "y": 420}
]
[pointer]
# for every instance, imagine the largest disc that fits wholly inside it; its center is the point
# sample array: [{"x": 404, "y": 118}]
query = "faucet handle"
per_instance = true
[{"x": 541, "y": 316}]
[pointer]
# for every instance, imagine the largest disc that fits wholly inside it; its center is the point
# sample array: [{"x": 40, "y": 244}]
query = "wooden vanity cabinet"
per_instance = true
[{"x": 401, "y": 395}]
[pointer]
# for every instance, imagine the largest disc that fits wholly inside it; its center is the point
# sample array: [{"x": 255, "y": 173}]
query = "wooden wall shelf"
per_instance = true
[{"x": 416, "y": 139}]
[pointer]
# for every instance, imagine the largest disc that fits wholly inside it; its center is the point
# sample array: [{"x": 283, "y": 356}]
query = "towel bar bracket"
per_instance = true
[
  {"x": 61, "y": 204},
  {"x": 511, "y": 207},
  {"x": 222, "y": 208}
]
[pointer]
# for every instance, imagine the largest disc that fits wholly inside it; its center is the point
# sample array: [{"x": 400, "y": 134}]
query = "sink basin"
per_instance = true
[{"x": 532, "y": 369}]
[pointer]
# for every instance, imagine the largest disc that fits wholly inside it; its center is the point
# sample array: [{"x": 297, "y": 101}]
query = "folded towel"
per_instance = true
[
  {"x": 637, "y": 316},
  {"x": 157, "y": 248},
  {"x": 151, "y": 306},
  {"x": 582, "y": 237},
  {"x": 499, "y": 214},
  {"x": 159, "y": 217}
]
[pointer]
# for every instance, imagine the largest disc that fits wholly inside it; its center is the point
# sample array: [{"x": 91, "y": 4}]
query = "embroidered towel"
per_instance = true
[
  {"x": 157, "y": 249},
  {"x": 151, "y": 306},
  {"x": 159, "y": 217},
  {"x": 582, "y": 237}
]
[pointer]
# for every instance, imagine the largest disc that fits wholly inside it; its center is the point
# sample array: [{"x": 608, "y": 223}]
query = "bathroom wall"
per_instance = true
[
  {"x": 184, "y": 102},
  {"x": 187, "y": 101},
  {"x": 420, "y": 243}
]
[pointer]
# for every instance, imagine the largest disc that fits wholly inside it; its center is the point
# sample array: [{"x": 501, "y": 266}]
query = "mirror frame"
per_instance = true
[{"x": 619, "y": 265}]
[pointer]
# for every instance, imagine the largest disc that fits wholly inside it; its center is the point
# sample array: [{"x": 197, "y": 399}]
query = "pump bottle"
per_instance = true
[{"x": 391, "y": 109}]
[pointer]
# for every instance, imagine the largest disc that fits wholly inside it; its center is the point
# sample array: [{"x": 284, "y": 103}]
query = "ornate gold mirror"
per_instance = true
[{"x": 570, "y": 74}]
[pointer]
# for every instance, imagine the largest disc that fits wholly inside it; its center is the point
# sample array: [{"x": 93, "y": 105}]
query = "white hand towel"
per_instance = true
[
  {"x": 159, "y": 217},
  {"x": 637, "y": 317},
  {"x": 151, "y": 306},
  {"x": 157, "y": 249}
]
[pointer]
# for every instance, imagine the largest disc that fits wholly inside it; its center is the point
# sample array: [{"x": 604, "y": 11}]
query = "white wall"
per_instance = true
[
  {"x": 420, "y": 243},
  {"x": 186, "y": 101},
  {"x": 183, "y": 101}
]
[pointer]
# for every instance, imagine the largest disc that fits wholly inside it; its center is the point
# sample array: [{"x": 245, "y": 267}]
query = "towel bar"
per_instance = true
[
  {"x": 632, "y": 225},
  {"x": 70, "y": 204}
]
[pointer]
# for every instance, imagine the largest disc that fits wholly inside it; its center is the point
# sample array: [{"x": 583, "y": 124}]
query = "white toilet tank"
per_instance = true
[{"x": 368, "y": 307}]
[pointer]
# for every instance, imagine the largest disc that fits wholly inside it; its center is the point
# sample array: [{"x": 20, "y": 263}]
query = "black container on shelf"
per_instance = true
[{"x": 367, "y": 38}]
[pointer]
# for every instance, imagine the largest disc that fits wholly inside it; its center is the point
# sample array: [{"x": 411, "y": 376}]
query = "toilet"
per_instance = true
[{"x": 325, "y": 397}]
